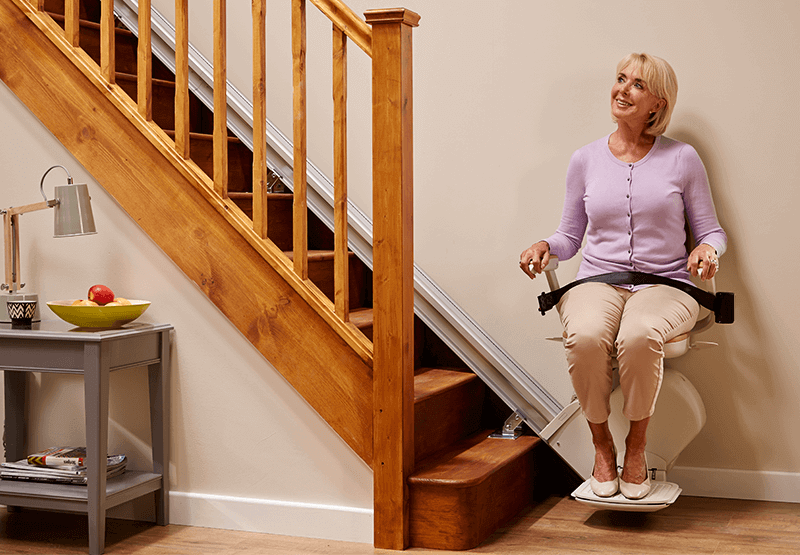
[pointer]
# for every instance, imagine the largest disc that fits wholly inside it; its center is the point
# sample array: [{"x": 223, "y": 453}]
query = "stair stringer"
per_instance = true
[
  {"x": 248, "y": 279},
  {"x": 461, "y": 333}
]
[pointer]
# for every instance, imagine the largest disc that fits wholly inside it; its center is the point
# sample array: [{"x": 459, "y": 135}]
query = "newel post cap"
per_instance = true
[{"x": 392, "y": 15}]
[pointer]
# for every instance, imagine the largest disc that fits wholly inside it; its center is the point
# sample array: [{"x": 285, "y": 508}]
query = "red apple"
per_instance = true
[{"x": 100, "y": 294}]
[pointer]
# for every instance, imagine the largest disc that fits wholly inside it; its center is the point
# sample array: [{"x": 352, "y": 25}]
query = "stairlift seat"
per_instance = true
[{"x": 678, "y": 418}]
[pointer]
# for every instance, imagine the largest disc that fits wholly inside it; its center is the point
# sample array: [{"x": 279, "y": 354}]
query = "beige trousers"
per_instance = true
[{"x": 599, "y": 318}]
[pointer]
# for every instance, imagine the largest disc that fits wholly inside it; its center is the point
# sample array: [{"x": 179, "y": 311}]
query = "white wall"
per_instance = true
[{"x": 247, "y": 451}]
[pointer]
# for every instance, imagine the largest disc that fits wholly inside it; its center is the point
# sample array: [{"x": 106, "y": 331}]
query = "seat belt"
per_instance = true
[{"x": 721, "y": 304}]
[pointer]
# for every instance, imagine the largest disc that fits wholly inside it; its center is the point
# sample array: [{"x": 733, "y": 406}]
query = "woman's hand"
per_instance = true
[
  {"x": 537, "y": 255},
  {"x": 706, "y": 255}
]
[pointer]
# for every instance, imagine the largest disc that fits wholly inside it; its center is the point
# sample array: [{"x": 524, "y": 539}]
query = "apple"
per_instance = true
[
  {"x": 123, "y": 302},
  {"x": 100, "y": 294},
  {"x": 84, "y": 302},
  {"x": 113, "y": 303}
]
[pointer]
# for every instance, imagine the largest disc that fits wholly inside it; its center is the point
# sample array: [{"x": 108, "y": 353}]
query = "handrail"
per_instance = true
[{"x": 348, "y": 22}]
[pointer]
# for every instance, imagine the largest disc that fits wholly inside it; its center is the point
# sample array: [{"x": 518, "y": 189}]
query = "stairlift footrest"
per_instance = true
[{"x": 662, "y": 495}]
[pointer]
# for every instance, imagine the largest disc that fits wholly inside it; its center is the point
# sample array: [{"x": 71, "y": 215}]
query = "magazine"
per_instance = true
[
  {"x": 56, "y": 456},
  {"x": 63, "y": 474}
]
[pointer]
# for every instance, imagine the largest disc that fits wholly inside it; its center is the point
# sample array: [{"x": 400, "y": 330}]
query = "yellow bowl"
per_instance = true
[{"x": 98, "y": 316}]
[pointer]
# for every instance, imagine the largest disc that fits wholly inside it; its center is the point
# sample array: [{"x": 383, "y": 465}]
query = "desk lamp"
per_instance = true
[{"x": 73, "y": 217}]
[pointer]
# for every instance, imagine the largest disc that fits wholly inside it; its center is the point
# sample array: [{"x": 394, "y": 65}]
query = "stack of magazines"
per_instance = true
[{"x": 58, "y": 465}]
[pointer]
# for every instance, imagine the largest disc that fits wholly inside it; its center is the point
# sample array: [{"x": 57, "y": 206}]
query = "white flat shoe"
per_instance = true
[
  {"x": 636, "y": 491},
  {"x": 605, "y": 489}
]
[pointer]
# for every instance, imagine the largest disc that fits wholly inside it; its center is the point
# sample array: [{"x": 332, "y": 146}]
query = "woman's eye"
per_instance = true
[{"x": 638, "y": 86}]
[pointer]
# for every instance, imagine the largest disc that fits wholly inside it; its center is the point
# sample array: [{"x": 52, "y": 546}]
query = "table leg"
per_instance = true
[
  {"x": 95, "y": 382},
  {"x": 15, "y": 433},
  {"x": 159, "y": 381}
]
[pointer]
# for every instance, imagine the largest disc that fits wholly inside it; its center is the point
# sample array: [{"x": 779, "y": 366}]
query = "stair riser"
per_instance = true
[
  {"x": 460, "y": 518},
  {"x": 444, "y": 419}
]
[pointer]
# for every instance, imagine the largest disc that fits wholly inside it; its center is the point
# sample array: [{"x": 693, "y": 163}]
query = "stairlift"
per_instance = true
[{"x": 678, "y": 418}]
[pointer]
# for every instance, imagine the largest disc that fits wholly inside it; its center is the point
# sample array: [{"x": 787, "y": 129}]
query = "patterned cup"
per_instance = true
[{"x": 21, "y": 312}]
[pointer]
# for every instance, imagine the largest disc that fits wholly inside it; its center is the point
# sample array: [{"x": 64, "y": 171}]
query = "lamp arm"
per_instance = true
[{"x": 41, "y": 183}]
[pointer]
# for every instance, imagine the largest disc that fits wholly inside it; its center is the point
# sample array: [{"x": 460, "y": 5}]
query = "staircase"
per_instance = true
[{"x": 464, "y": 484}]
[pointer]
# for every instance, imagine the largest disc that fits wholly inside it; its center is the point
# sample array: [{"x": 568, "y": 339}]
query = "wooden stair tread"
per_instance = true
[
  {"x": 249, "y": 195},
  {"x": 121, "y": 76},
  {"x": 316, "y": 255},
  {"x": 361, "y": 317},
  {"x": 472, "y": 461},
  {"x": 434, "y": 381},
  {"x": 121, "y": 31},
  {"x": 203, "y": 136}
]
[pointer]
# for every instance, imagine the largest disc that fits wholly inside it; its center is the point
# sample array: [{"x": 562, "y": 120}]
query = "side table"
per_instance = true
[{"x": 55, "y": 346}]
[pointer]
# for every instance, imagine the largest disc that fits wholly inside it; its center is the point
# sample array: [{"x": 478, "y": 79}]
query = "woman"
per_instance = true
[{"x": 630, "y": 193}]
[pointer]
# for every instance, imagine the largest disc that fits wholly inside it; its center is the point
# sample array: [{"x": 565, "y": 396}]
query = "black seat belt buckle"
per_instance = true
[
  {"x": 723, "y": 308},
  {"x": 546, "y": 302}
]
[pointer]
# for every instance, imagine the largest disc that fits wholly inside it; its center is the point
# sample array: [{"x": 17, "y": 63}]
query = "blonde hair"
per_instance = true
[{"x": 661, "y": 82}]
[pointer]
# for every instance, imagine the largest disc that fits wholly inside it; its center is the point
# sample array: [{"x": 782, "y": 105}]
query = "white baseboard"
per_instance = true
[
  {"x": 329, "y": 522},
  {"x": 737, "y": 484}
]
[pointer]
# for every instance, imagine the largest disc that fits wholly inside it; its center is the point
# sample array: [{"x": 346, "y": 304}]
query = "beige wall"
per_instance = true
[
  {"x": 247, "y": 451},
  {"x": 504, "y": 92}
]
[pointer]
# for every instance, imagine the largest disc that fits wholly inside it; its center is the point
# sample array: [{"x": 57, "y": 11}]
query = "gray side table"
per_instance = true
[{"x": 55, "y": 346}]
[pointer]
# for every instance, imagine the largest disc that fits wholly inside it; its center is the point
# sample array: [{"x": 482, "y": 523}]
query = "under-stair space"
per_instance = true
[{"x": 465, "y": 484}]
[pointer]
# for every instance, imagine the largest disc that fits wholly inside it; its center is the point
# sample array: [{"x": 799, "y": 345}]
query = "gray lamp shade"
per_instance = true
[{"x": 73, "y": 211}]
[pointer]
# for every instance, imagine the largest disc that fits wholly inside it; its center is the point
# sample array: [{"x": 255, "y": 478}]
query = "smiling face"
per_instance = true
[{"x": 631, "y": 101}]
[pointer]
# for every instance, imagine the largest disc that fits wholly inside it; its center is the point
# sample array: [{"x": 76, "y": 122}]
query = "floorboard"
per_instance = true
[{"x": 559, "y": 525}]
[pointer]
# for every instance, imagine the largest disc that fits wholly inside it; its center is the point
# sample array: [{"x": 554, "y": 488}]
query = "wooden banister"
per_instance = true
[
  {"x": 348, "y": 22},
  {"x": 182, "y": 78},
  {"x": 72, "y": 22},
  {"x": 341, "y": 260},
  {"x": 393, "y": 290},
  {"x": 144, "y": 64},
  {"x": 259, "y": 119},
  {"x": 386, "y": 36},
  {"x": 220, "y": 99},
  {"x": 300, "y": 139},
  {"x": 107, "y": 39}
]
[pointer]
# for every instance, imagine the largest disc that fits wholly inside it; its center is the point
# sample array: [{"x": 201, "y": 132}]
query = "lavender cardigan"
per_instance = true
[{"x": 633, "y": 214}]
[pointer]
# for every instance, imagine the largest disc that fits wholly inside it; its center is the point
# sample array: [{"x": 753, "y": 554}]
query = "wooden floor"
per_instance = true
[{"x": 557, "y": 526}]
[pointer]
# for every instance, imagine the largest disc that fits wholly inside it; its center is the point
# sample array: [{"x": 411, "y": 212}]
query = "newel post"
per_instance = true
[{"x": 393, "y": 277}]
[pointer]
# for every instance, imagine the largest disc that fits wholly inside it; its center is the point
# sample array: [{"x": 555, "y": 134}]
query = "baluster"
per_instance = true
[
  {"x": 341, "y": 259},
  {"x": 393, "y": 255},
  {"x": 300, "y": 148},
  {"x": 220, "y": 99},
  {"x": 40, "y": 5},
  {"x": 182, "y": 116},
  {"x": 144, "y": 63},
  {"x": 107, "y": 40},
  {"x": 259, "y": 119},
  {"x": 72, "y": 22}
]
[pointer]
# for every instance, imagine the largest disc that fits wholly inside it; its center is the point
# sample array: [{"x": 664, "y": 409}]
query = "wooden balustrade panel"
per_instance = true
[
  {"x": 299, "y": 178},
  {"x": 220, "y": 99},
  {"x": 145, "y": 62},
  {"x": 108, "y": 61},
  {"x": 182, "y": 114},
  {"x": 72, "y": 22},
  {"x": 341, "y": 263},
  {"x": 260, "y": 181}
]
